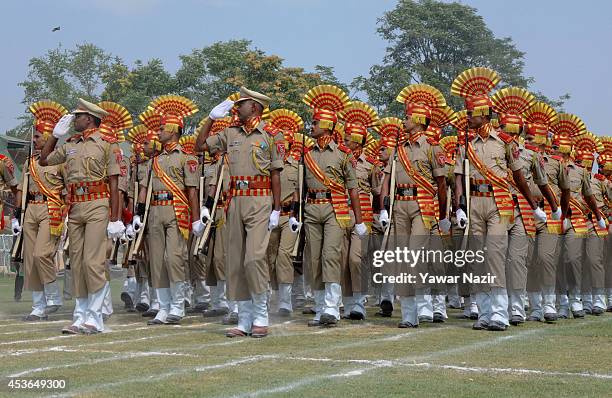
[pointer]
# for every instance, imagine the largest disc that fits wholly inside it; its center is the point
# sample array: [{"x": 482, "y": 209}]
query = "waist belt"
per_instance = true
[
  {"x": 319, "y": 195},
  {"x": 406, "y": 192},
  {"x": 162, "y": 195},
  {"x": 36, "y": 198},
  {"x": 87, "y": 191},
  {"x": 250, "y": 186},
  {"x": 481, "y": 188},
  {"x": 245, "y": 184}
]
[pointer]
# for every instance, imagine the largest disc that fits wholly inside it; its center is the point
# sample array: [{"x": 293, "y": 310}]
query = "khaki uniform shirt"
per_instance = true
[
  {"x": 7, "y": 173},
  {"x": 289, "y": 180},
  {"x": 495, "y": 154},
  {"x": 335, "y": 164},
  {"x": 369, "y": 176},
  {"x": 180, "y": 167},
  {"x": 426, "y": 159},
  {"x": 533, "y": 170}
]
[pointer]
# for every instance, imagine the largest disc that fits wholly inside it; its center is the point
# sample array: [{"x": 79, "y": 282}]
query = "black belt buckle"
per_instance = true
[
  {"x": 319, "y": 195},
  {"x": 81, "y": 191},
  {"x": 242, "y": 184},
  {"x": 163, "y": 196},
  {"x": 406, "y": 191}
]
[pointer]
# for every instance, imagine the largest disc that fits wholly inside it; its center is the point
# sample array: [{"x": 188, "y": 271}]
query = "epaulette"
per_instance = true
[
  {"x": 344, "y": 148},
  {"x": 433, "y": 141},
  {"x": 600, "y": 177},
  {"x": 556, "y": 157},
  {"x": 373, "y": 160},
  {"x": 74, "y": 137},
  {"x": 268, "y": 128},
  {"x": 187, "y": 151},
  {"x": 505, "y": 137},
  {"x": 108, "y": 138},
  {"x": 531, "y": 147}
]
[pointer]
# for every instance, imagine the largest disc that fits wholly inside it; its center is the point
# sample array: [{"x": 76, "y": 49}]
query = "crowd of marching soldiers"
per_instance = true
[{"x": 251, "y": 206}]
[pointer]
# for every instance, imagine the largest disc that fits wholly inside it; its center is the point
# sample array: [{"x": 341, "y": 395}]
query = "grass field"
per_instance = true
[{"x": 366, "y": 359}]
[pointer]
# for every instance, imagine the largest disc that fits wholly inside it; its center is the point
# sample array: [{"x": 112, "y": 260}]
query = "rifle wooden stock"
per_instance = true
[
  {"x": 467, "y": 193},
  {"x": 202, "y": 240},
  {"x": 140, "y": 236},
  {"x": 385, "y": 240}
]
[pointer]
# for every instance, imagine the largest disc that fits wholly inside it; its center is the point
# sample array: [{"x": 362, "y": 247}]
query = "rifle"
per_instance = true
[
  {"x": 464, "y": 201},
  {"x": 298, "y": 247},
  {"x": 203, "y": 240},
  {"x": 17, "y": 249},
  {"x": 130, "y": 244},
  {"x": 140, "y": 237},
  {"x": 389, "y": 201}
]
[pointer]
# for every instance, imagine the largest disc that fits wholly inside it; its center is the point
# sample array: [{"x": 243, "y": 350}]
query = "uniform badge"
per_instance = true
[
  {"x": 441, "y": 159},
  {"x": 280, "y": 149},
  {"x": 9, "y": 165},
  {"x": 515, "y": 152},
  {"x": 193, "y": 165},
  {"x": 123, "y": 170},
  {"x": 118, "y": 155}
]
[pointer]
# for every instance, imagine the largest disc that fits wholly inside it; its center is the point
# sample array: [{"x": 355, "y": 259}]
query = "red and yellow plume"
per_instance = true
[
  {"x": 567, "y": 128},
  {"x": 605, "y": 156},
  {"x": 440, "y": 118},
  {"x": 188, "y": 143},
  {"x": 287, "y": 121},
  {"x": 585, "y": 147},
  {"x": 217, "y": 126},
  {"x": 358, "y": 117},
  {"x": 510, "y": 103},
  {"x": 173, "y": 109},
  {"x": 391, "y": 130},
  {"x": 449, "y": 146},
  {"x": 538, "y": 119},
  {"x": 296, "y": 147},
  {"x": 420, "y": 100},
  {"x": 137, "y": 136},
  {"x": 474, "y": 86},
  {"x": 117, "y": 119},
  {"x": 46, "y": 115},
  {"x": 326, "y": 101}
]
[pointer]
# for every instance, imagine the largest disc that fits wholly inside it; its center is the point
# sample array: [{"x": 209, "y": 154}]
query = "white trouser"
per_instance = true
[
  {"x": 358, "y": 303},
  {"x": 333, "y": 294},
  {"x": 423, "y": 300},
  {"x": 284, "y": 296},
  {"x": 548, "y": 299},
  {"x": 177, "y": 298},
  {"x": 218, "y": 300},
  {"x": 439, "y": 305},
  {"x": 164, "y": 298},
  {"x": 516, "y": 303},
  {"x": 201, "y": 292},
  {"x": 260, "y": 309},
  {"x": 599, "y": 298},
  {"x": 319, "y": 298},
  {"x": 95, "y": 304},
  {"x": 80, "y": 312},
  {"x": 107, "y": 301},
  {"x": 587, "y": 300},
  {"x": 535, "y": 304},
  {"x": 387, "y": 292},
  {"x": 130, "y": 286},
  {"x": 483, "y": 300},
  {"x": 409, "y": 309},
  {"x": 574, "y": 299},
  {"x": 245, "y": 315},
  {"x": 52, "y": 293},
  {"x": 38, "y": 303},
  {"x": 143, "y": 292}
]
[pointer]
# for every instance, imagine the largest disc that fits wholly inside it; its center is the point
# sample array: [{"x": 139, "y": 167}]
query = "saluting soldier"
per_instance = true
[
  {"x": 92, "y": 168},
  {"x": 174, "y": 204},
  {"x": 255, "y": 156},
  {"x": 419, "y": 211},
  {"x": 43, "y": 222}
]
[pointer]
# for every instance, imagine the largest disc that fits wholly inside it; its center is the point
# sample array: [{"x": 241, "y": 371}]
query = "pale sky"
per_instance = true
[{"x": 566, "y": 42}]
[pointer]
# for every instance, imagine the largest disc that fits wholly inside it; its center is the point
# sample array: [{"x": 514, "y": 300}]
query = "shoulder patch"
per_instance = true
[
  {"x": 193, "y": 165},
  {"x": 600, "y": 177},
  {"x": 108, "y": 138},
  {"x": 268, "y": 128},
  {"x": 505, "y": 137},
  {"x": 187, "y": 151},
  {"x": 432, "y": 141}
]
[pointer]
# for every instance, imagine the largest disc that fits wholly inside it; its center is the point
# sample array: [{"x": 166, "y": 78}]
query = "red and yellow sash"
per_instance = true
[
  {"x": 179, "y": 200},
  {"x": 367, "y": 213},
  {"x": 501, "y": 194},
  {"x": 553, "y": 226},
  {"x": 525, "y": 209},
  {"x": 339, "y": 197},
  {"x": 425, "y": 190},
  {"x": 55, "y": 205},
  {"x": 578, "y": 218}
]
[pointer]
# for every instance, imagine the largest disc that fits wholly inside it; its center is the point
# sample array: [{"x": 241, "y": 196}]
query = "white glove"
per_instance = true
[
  {"x": 557, "y": 214},
  {"x": 204, "y": 215},
  {"x": 567, "y": 224},
  {"x": 384, "y": 218},
  {"x": 462, "y": 219},
  {"x": 221, "y": 110},
  {"x": 361, "y": 229},
  {"x": 115, "y": 229},
  {"x": 273, "y": 223},
  {"x": 123, "y": 240},
  {"x": 63, "y": 126},
  {"x": 15, "y": 226},
  {"x": 539, "y": 214},
  {"x": 137, "y": 224},
  {"x": 444, "y": 225},
  {"x": 294, "y": 224},
  {"x": 197, "y": 227},
  {"x": 129, "y": 232},
  {"x": 602, "y": 223}
]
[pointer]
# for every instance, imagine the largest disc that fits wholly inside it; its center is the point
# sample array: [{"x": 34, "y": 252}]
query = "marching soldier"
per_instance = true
[
  {"x": 329, "y": 176},
  {"x": 604, "y": 162},
  {"x": 541, "y": 276},
  {"x": 43, "y": 221},
  {"x": 577, "y": 224},
  {"x": 510, "y": 103},
  {"x": 491, "y": 153},
  {"x": 174, "y": 203},
  {"x": 255, "y": 155},
  {"x": 420, "y": 198},
  {"x": 358, "y": 117},
  {"x": 282, "y": 238},
  {"x": 7, "y": 180},
  {"x": 92, "y": 168}
]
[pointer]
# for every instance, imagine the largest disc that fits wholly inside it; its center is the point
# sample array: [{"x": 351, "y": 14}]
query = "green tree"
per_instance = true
[{"x": 432, "y": 42}]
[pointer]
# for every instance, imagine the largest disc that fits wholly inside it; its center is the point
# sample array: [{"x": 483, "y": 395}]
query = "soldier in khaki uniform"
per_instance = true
[
  {"x": 491, "y": 154},
  {"x": 358, "y": 117},
  {"x": 7, "y": 180},
  {"x": 541, "y": 276},
  {"x": 576, "y": 224},
  {"x": 43, "y": 222},
  {"x": 420, "y": 199},
  {"x": 92, "y": 169},
  {"x": 604, "y": 161},
  {"x": 329, "y": 175},
  {"x": 510, "y": 103},
  {"x": 254, "y": 152},
  {"x": 174, "y": 203},
  {"x": 282, "y": 238}
]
